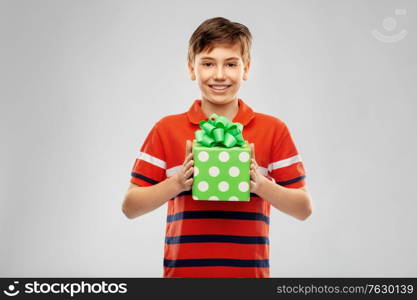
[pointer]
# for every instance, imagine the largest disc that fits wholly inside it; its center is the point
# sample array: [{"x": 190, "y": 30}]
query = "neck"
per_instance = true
[{"x": 229, "y": 110}]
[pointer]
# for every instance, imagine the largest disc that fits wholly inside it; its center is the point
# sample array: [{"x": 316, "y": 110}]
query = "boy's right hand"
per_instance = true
[{"x": 187, "y": 169}]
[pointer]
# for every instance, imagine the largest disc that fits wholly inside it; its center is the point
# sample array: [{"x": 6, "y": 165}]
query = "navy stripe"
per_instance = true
[
  {"x": 182, "y": 194},
  {"x": 291, "y": 181},
  {"x": 218, "y": 214},
  {"x": 190, "y": 192},
  {"x": 140, "y": 176},
  {"x": 212, "y": 262},
  {"x": 151, "y": 181},
  {"x": 216, "y": 238}
]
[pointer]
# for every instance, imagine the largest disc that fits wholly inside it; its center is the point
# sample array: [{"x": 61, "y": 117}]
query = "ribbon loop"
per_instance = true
[
  {"x": 207, "y": 127},
  {"x": 218, "y": 135},
  {"x": 219, "y": 131}
]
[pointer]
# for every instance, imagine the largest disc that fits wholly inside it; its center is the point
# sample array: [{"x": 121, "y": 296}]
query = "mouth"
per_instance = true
[{"x": 219, "y": 88}]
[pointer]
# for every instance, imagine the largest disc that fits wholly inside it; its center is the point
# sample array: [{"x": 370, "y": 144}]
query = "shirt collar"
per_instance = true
[{"x": 244, "y": 116}]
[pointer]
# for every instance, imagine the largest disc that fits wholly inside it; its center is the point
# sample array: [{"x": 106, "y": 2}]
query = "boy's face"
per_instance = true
[{"x": 219, "y": 73}]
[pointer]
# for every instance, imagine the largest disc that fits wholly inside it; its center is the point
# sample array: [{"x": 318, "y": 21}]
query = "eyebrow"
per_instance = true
[{"x": 230, "y": 58}]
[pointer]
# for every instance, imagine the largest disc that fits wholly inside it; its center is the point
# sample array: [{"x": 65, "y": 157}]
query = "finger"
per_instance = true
[
  {"x": 189, "y": 181},
  {"x": 189, "y": 164},
  {"x": 188, "y": 147},
  {"x": 255, "y": 164},
  {"x": 189, "y": 172},
  {"x": 252, "y": 150},
  {"x": 188, "y": 158}
]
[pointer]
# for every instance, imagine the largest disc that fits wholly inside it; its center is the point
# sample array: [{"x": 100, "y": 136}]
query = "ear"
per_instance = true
[
  {"x": 191, "y": 71},
  {"x": 246, "y": 70}
]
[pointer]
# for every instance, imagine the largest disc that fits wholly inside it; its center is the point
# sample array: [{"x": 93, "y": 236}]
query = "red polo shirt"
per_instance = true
[{"x": 217, "y": 238}]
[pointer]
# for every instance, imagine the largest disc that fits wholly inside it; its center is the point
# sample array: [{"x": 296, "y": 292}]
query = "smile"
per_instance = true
[{"x": 219, "y": 88}]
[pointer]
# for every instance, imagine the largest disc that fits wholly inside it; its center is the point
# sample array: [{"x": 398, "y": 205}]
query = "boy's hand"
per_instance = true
[
  {"x": 255, "y": 176},
  {"x": 183, "y": 176}
]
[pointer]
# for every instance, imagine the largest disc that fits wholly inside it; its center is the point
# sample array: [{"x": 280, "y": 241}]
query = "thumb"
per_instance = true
[{"x": 188, "y": 148}]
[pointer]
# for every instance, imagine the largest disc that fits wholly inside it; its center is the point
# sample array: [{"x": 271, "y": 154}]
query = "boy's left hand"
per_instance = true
[{"x": 255, "y": 176}]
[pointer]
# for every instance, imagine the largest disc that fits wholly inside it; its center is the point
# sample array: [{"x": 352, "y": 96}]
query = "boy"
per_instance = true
[{"x": 217, "y": 238}]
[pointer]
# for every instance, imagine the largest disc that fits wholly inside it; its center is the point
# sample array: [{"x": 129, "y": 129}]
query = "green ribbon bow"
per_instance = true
[{"x": 219, "y": 131}]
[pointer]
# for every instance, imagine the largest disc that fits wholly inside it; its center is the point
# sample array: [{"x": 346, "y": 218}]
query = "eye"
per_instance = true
[
  {"x": 207, "y": 64},
  {"x": 232, "y": 65}
]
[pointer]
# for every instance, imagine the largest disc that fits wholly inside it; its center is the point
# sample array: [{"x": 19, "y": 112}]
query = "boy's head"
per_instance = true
[{"x": 219, "y": 57}]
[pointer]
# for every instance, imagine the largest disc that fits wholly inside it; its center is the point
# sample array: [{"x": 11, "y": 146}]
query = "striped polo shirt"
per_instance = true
[{"x": 217, "y": 238}]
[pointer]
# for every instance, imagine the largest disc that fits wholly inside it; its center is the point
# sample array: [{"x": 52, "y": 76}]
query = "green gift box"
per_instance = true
[{"x": 222, "y": 161}]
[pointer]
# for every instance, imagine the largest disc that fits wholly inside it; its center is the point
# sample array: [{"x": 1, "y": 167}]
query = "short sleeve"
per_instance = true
[
  {"x": 286, "y": 166},
  {"x": 150, "y": 164}
]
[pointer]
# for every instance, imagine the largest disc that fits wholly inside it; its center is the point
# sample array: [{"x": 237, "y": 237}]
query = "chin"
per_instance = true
[{"x": 219, "y": 99}]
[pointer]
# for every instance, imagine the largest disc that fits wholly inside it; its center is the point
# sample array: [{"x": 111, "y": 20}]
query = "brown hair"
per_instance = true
[{"x": 219, "y": 30}]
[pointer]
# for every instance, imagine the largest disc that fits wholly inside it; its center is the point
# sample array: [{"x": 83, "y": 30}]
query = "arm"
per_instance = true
[
  {"x": 294, "y": 202},
  {"x": 141, "y": 200}
]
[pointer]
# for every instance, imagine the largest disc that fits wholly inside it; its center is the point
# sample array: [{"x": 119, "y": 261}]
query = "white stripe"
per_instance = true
[
  {"x": 263, "y": 171},
  {"x": 152, "y": 160},
  {"x": 173, "y": 170},
  {"x": 284, "y": 163}
]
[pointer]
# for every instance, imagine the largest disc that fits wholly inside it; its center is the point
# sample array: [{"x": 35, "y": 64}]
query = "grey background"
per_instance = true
[{"x": 83, "y": 82}]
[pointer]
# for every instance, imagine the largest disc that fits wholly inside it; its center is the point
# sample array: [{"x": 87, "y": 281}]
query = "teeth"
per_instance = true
[{"x": 219, "y": 87}]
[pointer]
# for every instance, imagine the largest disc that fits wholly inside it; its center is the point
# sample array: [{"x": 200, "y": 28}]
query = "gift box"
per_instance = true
[{"x": 222, "y": 161}]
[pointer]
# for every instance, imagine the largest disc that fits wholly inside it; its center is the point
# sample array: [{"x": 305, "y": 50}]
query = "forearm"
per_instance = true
[
  {"x": 294, "y": 202},
  {"x": 141, "y": 200}
]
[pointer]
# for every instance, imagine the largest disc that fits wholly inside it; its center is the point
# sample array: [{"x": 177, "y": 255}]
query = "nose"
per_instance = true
[{"x": 219, "y": 73}]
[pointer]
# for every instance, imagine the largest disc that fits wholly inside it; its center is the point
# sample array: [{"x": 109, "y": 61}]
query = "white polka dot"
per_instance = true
[
  {"x": 196, "y": 171},
  {"x": 223, "y": 186},
  {"x": 213, "y": 198},
  {"x": 244, "y": 156},
  {"x": 203, "y": 186},
  {"x": 214, "y": 171},
  {"x": 234, "y": 198},
  {"x": 234, "y": 171},
  {"x": 203, "y": 156},
  {"x": 195, "y": 197},
  {"x": 223, "y": 156},
  {"x": 243, "y": 186}
]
